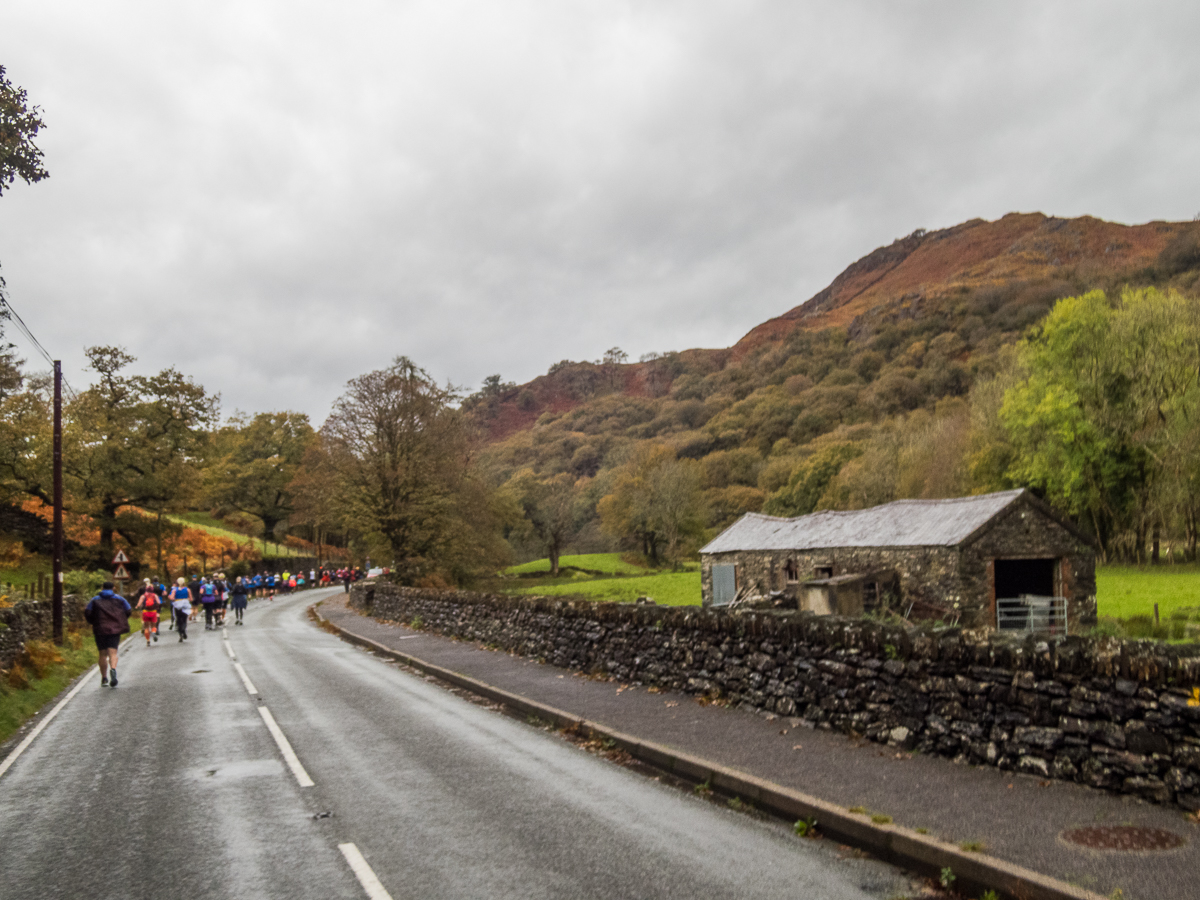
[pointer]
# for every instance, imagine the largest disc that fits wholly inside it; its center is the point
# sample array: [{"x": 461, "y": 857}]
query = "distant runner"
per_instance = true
[
  {"x": 238, "y": 599},
  {"x": 181, "y": 607},
  {"x": 108, "y": 614}
]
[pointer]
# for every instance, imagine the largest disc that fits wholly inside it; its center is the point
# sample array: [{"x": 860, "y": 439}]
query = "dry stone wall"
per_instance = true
[
  {"x": 30, "y": 620},
  {"x": 1106, "y": 713}
]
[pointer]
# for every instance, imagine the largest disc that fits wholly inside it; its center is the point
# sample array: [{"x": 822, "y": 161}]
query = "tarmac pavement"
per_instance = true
[{"x": 1015, "y": 818}]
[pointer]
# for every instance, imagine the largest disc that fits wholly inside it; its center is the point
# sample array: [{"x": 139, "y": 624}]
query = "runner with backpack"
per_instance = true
[
  {"x": 182, "y": 607},
  {"x": 149, "y": 603},
  {"x": 208, "y": 599}
]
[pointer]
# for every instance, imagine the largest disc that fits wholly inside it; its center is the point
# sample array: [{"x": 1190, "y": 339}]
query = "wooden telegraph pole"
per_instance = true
[{"x": 56, "y": 604}]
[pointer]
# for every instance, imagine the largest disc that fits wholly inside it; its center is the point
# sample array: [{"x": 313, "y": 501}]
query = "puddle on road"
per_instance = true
[{"x": 235, "y": 771}]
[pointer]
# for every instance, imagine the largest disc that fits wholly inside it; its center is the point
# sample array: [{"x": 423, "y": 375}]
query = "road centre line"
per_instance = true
[
  {"x": 250, "y": 688},
  {"x": 229, "y": 650},
  {"x": 365, "y": 874},
  {"x": 289, "y": 755}
]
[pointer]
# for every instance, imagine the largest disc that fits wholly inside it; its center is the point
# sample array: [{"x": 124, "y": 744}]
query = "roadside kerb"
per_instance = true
[{"x": 890, "y": 842}]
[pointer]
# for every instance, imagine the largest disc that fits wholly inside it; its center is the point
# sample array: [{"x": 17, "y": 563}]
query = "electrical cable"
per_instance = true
[{"x": 15, "y": 317}]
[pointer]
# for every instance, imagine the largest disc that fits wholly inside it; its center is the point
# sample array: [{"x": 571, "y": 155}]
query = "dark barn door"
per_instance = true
[{"x": 1015, "y": 577}]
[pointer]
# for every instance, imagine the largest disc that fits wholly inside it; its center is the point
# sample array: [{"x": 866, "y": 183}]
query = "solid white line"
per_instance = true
[
  {"x": 364, "y": 873},
  {"x": 229, "y": 649},
  {"x": 21, "y": 747},
  {"x": 289, "y": 755},
  {"x": 250, "y": 688}
]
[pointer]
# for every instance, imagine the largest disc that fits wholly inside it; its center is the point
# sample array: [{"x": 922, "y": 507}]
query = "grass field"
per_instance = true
[
  {"x": 608, "y": 563},
  {"x": 668, "y": 588},
  {"x": 618, "y": 582},
  {"x": 214, "y": 526},
  {"x": 1123, "y": 592}
]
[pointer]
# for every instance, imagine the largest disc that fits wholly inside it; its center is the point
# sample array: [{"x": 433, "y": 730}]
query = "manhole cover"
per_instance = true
[{"x": 1123, "y": 837}]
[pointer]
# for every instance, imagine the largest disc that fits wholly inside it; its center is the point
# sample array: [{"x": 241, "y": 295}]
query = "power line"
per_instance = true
[{"x": 15, "y": 317}]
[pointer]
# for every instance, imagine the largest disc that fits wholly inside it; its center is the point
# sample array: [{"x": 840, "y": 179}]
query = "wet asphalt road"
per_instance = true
[{"x": 171, "y": 785}]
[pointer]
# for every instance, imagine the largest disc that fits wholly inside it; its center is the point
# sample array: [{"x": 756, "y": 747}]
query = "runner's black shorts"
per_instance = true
[{"x": 108, "y": 641}]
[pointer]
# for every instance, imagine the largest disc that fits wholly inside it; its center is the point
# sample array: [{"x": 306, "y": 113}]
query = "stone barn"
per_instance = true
[{"x": 996, "y": 560}]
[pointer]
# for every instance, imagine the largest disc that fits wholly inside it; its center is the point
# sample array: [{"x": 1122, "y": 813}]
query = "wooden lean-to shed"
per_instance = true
[{"x": 995, "y": 559}]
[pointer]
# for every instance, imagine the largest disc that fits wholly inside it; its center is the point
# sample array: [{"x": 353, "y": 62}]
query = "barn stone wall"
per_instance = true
[
  {"x": 926, "y": 574},
  {"x": 943, "y": 580},
  {"x": 1106, "y": 713},
  {"x": 1023, "y": 531}
]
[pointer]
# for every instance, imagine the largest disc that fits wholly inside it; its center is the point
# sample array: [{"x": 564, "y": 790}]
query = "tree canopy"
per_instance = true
[{"x": 20, "y": 123}]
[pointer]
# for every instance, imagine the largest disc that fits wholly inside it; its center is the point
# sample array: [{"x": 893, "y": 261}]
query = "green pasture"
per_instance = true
[
  {"x": 1123, "y": 592},
  {"x": 607, "y": 578},
  {"x": 668, "y": 588},
  {"x": 608, "y": 563}
]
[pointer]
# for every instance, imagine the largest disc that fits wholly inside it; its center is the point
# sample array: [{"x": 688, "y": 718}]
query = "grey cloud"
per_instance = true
[{"x": 277, "y": 197}]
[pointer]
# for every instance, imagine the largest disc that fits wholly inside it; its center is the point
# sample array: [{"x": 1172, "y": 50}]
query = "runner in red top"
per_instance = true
[{"x": 149, "y": 603}]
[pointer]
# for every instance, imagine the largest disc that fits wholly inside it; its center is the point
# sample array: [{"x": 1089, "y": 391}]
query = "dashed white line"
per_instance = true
[
  {"x": 229, "y": 649},
  {"x": 365, "y": 874},
  {"x": 250, "y": 688},
  {"x": 289, "y": 755}
]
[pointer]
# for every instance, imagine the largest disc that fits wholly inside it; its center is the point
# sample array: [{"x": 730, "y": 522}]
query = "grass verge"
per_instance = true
[{"x": 40, "y": 675}]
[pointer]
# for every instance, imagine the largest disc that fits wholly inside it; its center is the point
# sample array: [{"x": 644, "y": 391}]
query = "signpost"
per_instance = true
[{"x": 120, "y": 573}]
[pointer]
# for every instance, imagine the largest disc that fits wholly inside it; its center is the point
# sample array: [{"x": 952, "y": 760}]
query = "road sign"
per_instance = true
[
  {"x": 120, "y": 558},
  {"x": 121, "y": 574}
]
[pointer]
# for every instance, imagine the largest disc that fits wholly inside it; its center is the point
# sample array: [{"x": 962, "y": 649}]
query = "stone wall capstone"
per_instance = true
[{"x": 1107, "y": 713}]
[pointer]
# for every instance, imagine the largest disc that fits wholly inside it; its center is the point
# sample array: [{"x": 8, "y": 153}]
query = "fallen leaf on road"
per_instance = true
[
  {"x": 783, "y": 731},
  {"x": 670, "y": 703},
  {"x": 798, "y": 747}
]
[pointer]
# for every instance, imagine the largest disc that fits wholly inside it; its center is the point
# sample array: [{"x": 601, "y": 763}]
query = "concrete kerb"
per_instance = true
[{"x": 890, "y": 842}]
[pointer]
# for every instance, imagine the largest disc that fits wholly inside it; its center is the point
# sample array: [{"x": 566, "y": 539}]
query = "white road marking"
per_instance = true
[
  {"x": 289, "y": 755},
  {"x": 83, "y": 679},
  {"x": 250, "y": 688},
  {"x": 229, "y": 649},
  {"x": 21, "y": 747},
  {"x": 365, "y": 874}
]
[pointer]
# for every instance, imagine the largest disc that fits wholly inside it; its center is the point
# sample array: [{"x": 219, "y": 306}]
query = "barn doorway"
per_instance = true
[{"x": 1015, "y": 577}]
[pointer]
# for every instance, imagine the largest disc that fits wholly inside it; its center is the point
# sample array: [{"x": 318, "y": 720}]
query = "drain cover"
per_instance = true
[{"x": 1123, "y": 837}]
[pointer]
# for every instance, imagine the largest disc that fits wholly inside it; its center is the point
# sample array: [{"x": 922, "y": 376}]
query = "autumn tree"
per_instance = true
[
  {"x": 403, "y": 457},
  {"x": 253, "y": 462},
  {"x": 132, "y": 441},
  {"x": 550, "y": 507},
  {"x": 656, "y": 502}
]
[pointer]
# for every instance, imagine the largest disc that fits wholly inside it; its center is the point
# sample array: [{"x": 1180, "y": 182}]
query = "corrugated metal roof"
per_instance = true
[{"x": 903, "y": 523}]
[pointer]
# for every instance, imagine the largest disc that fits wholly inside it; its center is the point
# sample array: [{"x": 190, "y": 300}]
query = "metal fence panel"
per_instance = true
[{"x": 1041, "y": 615}]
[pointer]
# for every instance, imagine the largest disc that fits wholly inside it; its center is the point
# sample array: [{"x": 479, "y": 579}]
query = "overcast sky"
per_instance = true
[{"x": 277, "y": 196}]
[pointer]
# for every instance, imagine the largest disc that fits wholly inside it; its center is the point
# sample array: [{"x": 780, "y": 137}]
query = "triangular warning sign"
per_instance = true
[
  {"x": 120, "y": 558},
  {"x": 121, "y": 574}
]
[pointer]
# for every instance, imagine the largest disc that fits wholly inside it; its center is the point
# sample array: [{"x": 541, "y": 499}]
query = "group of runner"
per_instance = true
[{"x": 215, "y": 594}]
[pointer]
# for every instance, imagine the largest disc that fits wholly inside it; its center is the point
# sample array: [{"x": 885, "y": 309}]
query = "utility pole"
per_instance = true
[{"x": 56, "y": 604}]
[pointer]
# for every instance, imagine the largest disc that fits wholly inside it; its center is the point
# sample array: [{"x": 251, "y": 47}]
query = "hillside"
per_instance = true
[{"x": 878, "y": 365}]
